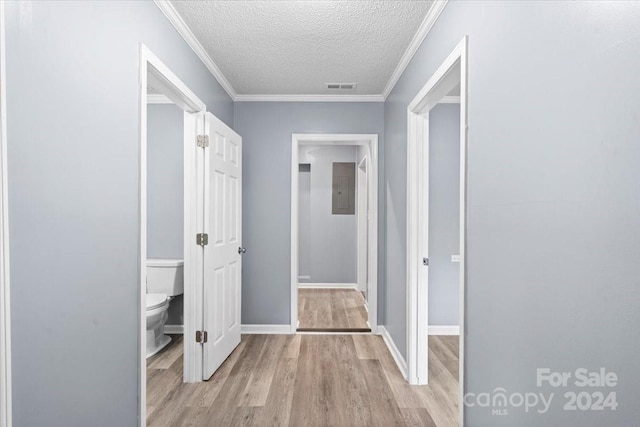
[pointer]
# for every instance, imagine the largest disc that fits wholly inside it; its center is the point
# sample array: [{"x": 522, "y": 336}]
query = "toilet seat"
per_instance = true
[{"x": 156, "y": 301}]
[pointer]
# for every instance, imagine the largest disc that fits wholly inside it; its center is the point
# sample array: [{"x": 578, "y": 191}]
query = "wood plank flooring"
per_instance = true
[
  {"x": 305, "y": 380},
  {"x": 332, "y": 309}
]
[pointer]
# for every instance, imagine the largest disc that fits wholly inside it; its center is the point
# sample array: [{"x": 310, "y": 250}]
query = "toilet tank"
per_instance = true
[{"x": 165, "y": 276}]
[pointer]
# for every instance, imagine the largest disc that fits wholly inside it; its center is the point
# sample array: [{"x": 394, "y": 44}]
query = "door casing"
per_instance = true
[
  {"x": 5, "y": 315},
  {"x": 362, "y": 211},
  {"x": 371, "y": 142}
]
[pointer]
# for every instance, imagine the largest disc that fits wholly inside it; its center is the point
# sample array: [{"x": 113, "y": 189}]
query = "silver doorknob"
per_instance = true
[{"x": 242, "y": 250}]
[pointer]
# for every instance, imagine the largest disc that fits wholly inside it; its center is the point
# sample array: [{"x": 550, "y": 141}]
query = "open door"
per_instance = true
[{"x": 223, "y": 251}]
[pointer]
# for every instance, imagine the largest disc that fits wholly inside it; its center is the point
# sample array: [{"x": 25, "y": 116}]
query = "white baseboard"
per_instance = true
[
  {"x": 444, "y": 330},
  {"x": 266, "y": 329},
  {"x": 174, "y": 329},
  {"x": 327, "y": 286},
  {"x": 397, "y": 356}
]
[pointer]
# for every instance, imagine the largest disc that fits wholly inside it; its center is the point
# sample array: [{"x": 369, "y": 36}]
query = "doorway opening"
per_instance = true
[
  {"x": 334, "y": 233},
  {"x": 158, "y": 85},
  {"x": 448, "y": 83},
  {"x": 191, "y": 206}
]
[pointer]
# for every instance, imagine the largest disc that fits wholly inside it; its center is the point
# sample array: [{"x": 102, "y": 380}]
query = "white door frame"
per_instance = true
[
  {"x": 5, "y": 315},
  {"x": 362, "y": 223},
  {"x": 371, "y": 142},
  {"x": 452, "y": 71},
  {"x": 156, "y": 73}
]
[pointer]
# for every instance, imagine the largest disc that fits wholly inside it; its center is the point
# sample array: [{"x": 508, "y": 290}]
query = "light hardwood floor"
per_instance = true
[
  {"x": 332, "y": 309},
  {"x": 306, "y": 380}
]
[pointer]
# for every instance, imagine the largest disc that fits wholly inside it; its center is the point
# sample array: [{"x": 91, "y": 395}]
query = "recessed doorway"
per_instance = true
[{"x": 334, "y": 233}]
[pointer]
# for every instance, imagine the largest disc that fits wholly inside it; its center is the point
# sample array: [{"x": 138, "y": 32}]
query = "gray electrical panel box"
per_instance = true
[{"x": 344, "y": 189}]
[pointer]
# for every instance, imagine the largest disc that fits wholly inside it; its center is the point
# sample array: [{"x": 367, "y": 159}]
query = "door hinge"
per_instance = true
[
  {"x": 201, "y": 337},
  {"x": 202, "y": 239},
  {"x": 425, "y": 261},
  {"x": 203, "y": 141}
]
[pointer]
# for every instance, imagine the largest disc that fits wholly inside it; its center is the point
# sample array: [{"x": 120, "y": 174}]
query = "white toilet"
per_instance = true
[{"x": 165, "y": 280}]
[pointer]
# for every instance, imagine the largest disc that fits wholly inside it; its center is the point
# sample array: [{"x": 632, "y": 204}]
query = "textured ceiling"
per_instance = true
[{"x": 295, "y": 47}]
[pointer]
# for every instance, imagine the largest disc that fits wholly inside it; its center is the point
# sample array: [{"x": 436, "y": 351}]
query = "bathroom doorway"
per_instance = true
[
  {"x": 197, "y": 170},
  {"x": 171, "y": 117}
]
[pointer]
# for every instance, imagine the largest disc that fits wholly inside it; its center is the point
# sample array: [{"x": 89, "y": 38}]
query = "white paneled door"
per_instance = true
[{"x": 223, "y": 253}]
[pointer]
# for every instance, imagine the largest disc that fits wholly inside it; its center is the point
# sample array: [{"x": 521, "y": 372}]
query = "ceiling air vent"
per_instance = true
[{"x": 341, "y": 86}]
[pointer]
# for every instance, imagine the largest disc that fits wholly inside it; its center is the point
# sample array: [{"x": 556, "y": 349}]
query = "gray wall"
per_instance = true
[
  {"x": 73, "y": 163},
  {"x": 165, "y": 181},
  {"x": 266, "y": 129},
  {"x": 444, "y": 213},
  {"x": 165, "y": 190},
  {"x": 553, "y": 202},
  {"x": 333, "y": 237}
]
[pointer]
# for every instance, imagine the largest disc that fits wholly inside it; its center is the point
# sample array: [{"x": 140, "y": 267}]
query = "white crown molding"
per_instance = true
[
  {"x": 183, "y": 29},
  {"x": 432, "y": 16},
  {"x": 266, "y": 329},
  {"x": 444, "y": 330},
  {"x": 309, "y": 98},
  {"x": 158, "y": 98},
  {"x": 395, "y": 352}
]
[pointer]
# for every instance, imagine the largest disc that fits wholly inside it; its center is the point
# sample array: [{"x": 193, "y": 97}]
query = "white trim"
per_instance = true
[
  {"x": 327, "y": 286},
  {"x": 363, "y": 163},
  {"x": 362, "y": 223},
  {"x": 427, "y": 24},
  {"x": 393, "y": 349},
  {"x": 266, "y": 329},
  {"x": 5, "y": 315},
  {"x": 174, "y": 329},
  {"x": 450, "y": 100},
  {"x": 157, "y": 98},
  {"x": 155, "y": 72},
  {"x": 371, "y": 142},
  {"x": 304, "y": 277},
  {"x": 309, "y": 98},
  {"x": 183, "y": 29},
  {"x": 453, "y": 70},
  {"x": 444, "y": 330}
]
